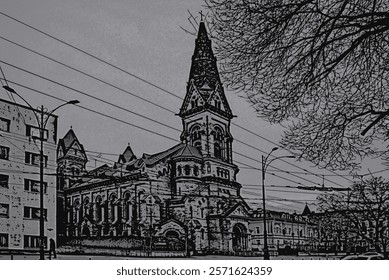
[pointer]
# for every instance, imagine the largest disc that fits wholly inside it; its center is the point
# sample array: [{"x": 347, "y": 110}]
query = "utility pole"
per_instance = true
[
  {"x": 41, "y": 190},
  {"x": 265, "y": 165}
]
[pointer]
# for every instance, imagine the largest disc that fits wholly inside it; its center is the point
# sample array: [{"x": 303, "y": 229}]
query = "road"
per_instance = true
[{"x": 211, "y": 257}]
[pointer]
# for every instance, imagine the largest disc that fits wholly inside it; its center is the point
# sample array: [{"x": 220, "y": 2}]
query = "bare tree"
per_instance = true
[
  {"x": 365, "y": 210},
  {"x": 319, "y": 66}
]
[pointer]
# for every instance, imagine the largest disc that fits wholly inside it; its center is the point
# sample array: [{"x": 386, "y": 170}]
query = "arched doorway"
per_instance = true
[
  {"x": 239, "y": 237},
  {"x": 173, "y": 240}
]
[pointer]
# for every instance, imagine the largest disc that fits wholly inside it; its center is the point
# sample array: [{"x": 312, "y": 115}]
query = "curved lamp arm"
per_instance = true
[
  {"x": 49, "y": 114},
  {"x": 265, "y": 163}
]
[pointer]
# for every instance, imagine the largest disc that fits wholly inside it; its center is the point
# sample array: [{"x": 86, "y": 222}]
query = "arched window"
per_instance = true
[
  {"x": 187, "y": 170},
  {"x": 87, "y": 207},
  {"x": 77, "y": 206},
  {"x": 196, "y": 170},
  {"x": 218, "y": 151},
  {"x": 218, "y": 143},
  {"x": 127, "y": 207},
  {"x": 217, "y": 102},
  {"x": 98, "y": 209},
  {"x": 112, "y": 207},
  {"x": 179, "y": 170},
  {"x": 194, "y": 102},
  {"x": 196, "y": 137}
]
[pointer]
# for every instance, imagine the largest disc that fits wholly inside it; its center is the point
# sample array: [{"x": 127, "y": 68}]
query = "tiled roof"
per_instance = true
[
  {"x": 187, "y": 151},
  {"x": 152, "y": 159},
  {"x": 179, "y": 150}
]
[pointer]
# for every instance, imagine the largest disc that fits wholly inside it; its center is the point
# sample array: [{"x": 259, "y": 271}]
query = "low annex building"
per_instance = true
[{"x": 185, "y": 197}]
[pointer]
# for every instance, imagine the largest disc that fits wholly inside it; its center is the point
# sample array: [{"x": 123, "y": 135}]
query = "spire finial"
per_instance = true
[
  {"x": 201, "y": 15},
  {"x": 71, "y": 127}
]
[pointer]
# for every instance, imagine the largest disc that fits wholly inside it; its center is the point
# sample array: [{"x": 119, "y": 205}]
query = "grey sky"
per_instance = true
[{"x": 144, "y": 38}]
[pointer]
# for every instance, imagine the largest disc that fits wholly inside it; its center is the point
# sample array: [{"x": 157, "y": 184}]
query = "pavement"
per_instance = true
[{"x": 210, "y": 257}]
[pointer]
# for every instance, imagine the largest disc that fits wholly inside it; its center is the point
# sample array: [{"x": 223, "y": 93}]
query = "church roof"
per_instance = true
[
  {"x": 204, "y": 77},
  {"x": 127, "y": 156},
  {"x": 179, "y": 150},
  {"x": 306, "y": 211},
  {"x": 187, "y": 151},
  {"x": 152, "y": 159},
  {"x": 68, "y": 140}
]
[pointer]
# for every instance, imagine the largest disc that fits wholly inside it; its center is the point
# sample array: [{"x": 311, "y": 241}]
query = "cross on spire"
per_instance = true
[{"x": 201, "y": 15}]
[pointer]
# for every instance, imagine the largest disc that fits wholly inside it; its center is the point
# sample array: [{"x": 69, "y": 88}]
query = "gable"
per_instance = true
[{"x": 238, "y": 210}]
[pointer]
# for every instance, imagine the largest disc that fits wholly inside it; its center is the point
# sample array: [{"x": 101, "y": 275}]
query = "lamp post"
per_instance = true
[
  {"x": 42, "y": 122},
  {"x": 265, "y": 165}
]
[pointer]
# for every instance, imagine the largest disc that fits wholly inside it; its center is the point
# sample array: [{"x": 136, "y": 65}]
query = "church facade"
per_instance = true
[{"x": 184, "y": 197}]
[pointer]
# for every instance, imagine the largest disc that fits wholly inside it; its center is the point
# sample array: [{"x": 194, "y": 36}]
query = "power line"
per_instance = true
[
  {"x": 91, "y": 55},
  {"x": 101, "y": 100},
  {"x": 40, "y": 92},
  {"x": 149, "y": 83},
  {"x": 88, "y": 75},
  {"x": 94, "y": 111},
  {"x": 140, "y": 115},
  {"x": 89, "y": 95}
]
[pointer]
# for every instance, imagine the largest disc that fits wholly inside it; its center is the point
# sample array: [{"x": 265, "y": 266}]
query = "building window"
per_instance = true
[
  {"x": 4, "y": 210},
  {"x": 3, "y": 239},
  {"x": 34, "y": 213},
  {"x": 4, "y": 124},
  {"x": 217, "y": 102},
  {"x": 218, "y": 151},
  {"x": 218, "y": 145},
  {"x": 196, "y": 170},
  {"x": 194, "y": 102},
  {"x": 196, "y": 138},
  {"x": 32, "y": 241},
  {"x": 179, "y": 170},
  {"x": 34, "y": 132},
  {"x": 257, "y": 230},
  {"x": 34, "y": 159},
  {"x": 34, "y": 186},
  {"x": 187, "y": 170},
  {"x": 4, "y": 152},
  {"x": 4, "y": 180}
]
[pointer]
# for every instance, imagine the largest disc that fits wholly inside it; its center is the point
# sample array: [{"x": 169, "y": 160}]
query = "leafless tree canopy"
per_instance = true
[
  {"x": 318, "y": 65},
  {"x": 364, "y": 209}
]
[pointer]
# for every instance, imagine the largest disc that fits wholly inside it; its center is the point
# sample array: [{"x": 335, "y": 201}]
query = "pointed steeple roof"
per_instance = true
[
  {"x": 69, "y": 138},
  {"x": 68, "y": 141},
  {"x": 204, "y": 79},
  {"x": 306, "y": 211},
  {"x": 127, "y": 156}
]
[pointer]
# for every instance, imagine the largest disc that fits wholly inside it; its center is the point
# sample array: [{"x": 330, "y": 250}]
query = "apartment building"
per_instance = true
[{"x": 19, "y": 176}]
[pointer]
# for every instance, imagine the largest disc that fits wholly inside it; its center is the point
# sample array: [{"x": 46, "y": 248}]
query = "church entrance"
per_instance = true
[{"x": 239, "y": 238}]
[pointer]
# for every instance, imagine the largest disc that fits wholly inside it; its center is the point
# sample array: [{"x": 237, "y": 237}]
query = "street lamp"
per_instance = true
[
  {"x": 265, "y": 165},
  {"x": 41, "y": 125}
]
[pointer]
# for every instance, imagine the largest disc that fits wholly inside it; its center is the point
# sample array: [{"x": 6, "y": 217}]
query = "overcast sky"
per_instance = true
[{"x": 145, "y": 38}]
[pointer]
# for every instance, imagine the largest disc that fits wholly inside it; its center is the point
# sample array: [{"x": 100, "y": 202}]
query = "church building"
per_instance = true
[{"x": 184, "y": 198}]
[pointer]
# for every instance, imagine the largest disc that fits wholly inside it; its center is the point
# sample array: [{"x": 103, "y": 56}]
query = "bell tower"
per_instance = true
[{"x": 205, "y": 112}]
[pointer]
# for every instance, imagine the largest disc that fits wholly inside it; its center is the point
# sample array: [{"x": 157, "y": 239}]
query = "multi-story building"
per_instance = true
[
  {"x": 285, "y": 232},
  {"x": 187, "y": 194},
  {"x": 19, "y": 176}
]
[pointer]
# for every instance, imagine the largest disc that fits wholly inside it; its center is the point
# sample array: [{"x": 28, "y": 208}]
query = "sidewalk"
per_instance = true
[{"x": 210, "y": 257}]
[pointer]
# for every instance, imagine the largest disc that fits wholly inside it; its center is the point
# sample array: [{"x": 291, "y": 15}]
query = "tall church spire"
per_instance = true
[{"x": 204, "y": 89}]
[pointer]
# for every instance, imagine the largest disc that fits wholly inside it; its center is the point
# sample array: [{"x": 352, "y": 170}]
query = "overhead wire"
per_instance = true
[
  {"x": 125, "y": 122},
  {"x": 145, "y": 81}
]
